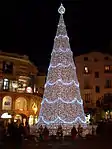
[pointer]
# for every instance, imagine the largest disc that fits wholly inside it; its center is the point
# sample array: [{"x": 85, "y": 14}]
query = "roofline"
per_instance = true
[{"x": 15, "y": 56}]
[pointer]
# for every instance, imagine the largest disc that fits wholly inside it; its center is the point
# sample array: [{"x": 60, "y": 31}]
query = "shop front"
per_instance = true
[
  {"x": 32, "y": 120},
  {"x": 22, "y": 117}
]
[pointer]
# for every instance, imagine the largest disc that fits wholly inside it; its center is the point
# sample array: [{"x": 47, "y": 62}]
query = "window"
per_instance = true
[
  {"x": 107, "y": 68},
  {"x": 6, "y": 103},
  {"x": 87, "y": 84},
  {"x": 21, "y": 104},
  {"x": 106, "y": 58},
  {"x": 86, "y": 71},
  {"x": 87, "y": 98},
  {"x": 97, "y": 89},
  {"x": 85, "y": 58},
  {"x": 13, "y": 85},
  {"x": 111, "y": 68},
  {"x": 108, "y": 84},
  {"x": 96, "y": 74},
  {"x": 1, "y": 84},
  {"x": 6, "y": 84},
  {"x": 95, "y": 59},
  {"x": 7, "y": 67}
]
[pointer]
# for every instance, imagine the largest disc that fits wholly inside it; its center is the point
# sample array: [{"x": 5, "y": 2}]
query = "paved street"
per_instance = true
[{"x": 96, "y": 143}]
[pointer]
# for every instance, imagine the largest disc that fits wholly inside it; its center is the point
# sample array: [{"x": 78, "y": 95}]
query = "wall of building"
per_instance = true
[
  {"x": 94, "y": 71},
  {"x": 40, "y": 81},
  {"x": 19, "y": 103},
  {"x": 18, "y": 94},
  {"x": 16, "y": 72}
]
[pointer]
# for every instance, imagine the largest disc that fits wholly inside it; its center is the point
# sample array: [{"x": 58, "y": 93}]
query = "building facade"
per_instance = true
[
  {"x": 40, "y": 81},
  {"x": 94, "y": 71},
  {"x": 18, "y": 95}
]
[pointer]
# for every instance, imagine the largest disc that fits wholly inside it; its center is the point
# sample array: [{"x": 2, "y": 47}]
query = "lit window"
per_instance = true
[
  {"x": 107, "y": 68},
  {"x": 21, "y": 104},
  {"x": 6, "y": 103},
  {"x": 86, "y": 69},
  {"x": 6, "y": 84}
]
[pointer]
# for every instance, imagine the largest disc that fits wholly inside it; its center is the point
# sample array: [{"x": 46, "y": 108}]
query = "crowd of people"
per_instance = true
[
  {"x": 14, "y": 132},
  {"x": 43, "y": 132}
]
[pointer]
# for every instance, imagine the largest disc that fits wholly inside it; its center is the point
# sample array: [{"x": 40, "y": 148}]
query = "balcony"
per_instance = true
[
  {"x": 16, "y": 91},
  {"x": 20, "y": 73},
  {"x": 87, "y": 73},
  {"x": 108, "y": 72},
  {"x": 87, "y": 87},
  {"x": 107, "y": 87}
]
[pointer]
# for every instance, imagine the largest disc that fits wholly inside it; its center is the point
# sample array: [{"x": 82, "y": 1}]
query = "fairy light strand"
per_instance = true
[
  {"x": 58, "y": 118},
  {"x": 62, "y": 102},
  {"x": 60, "y": 80},
  {"x": 67, "y": 102}
]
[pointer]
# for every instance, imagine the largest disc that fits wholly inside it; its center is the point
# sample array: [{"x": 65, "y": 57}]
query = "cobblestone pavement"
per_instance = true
[{"x": 94, "y": 143}]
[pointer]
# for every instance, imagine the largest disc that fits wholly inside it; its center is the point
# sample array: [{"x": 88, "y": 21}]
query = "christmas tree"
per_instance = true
[{"x": 62, "y": 103}]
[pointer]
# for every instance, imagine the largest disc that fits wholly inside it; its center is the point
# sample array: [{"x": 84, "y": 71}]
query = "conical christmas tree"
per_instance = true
[{"x": 62, "y": 103}]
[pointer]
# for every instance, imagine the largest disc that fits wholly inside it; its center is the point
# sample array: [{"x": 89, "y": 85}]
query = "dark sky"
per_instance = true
[{"x": 30, "y": 27}]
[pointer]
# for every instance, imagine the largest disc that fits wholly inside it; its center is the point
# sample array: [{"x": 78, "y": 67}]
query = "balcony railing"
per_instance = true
[
  {"x": 107, "y": 87},
  {"x": 87, "y": 73},
  {"x": 108, "y": 72},
  {"x": 22, "y": 92}
]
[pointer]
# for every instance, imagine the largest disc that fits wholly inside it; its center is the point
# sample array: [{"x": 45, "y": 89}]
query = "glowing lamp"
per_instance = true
[
  {"x": 6, "y": 115},
  {"x": 29, "y": 90}
]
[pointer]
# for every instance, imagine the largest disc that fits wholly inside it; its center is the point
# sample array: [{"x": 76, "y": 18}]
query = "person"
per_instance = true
[
  {"x": 17, "y": 134},
  {"x": 93, "y": 131},
  {"x": 60, "y": 132},
  {"x": 40, "y": 132},
  {"x": 99, "y": 129},
  {"x": 80, "y": 130},
  {"x": 26, "y": 130},
  {"x": 46, "y": 133},
  {"x": 1, "y": 133},
  {"x": 10, "y": 128},
  {"x": 73, "y": 133}
]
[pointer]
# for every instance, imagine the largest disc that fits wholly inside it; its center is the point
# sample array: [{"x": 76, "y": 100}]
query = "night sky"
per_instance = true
[{"x": 30, "y": 27}]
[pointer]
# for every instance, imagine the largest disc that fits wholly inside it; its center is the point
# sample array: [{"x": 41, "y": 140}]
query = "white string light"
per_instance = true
[
  {"x": 67, "y": 102},
  {"x": 65, "y": 36},
  {"x": 61, "y": 65},
  {"x": 58, "y": 118},
  {"x": 60, "y": 50},
  {"x": 60, "y": 80}
]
